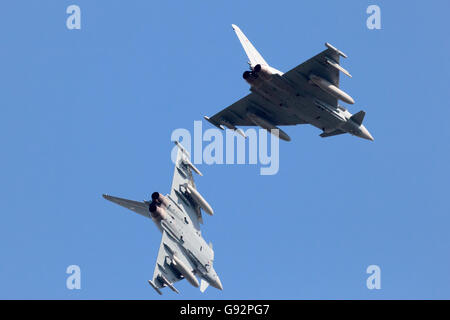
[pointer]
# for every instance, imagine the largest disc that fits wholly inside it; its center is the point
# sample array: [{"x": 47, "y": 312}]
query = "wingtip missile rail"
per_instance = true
[
  {"x": 186, "y": 160},
  {"x": 339, "y": 52}
]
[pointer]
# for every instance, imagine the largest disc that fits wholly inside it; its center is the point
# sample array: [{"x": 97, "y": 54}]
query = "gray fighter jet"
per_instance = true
[
  {"x": 309, "y": 93},
  {"x": 183, "y": 253}
]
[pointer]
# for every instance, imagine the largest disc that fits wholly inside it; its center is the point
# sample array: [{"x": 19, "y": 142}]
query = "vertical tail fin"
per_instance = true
[
  {"x": 252, "y": 54},
  {"x": 358, "y": 117}
]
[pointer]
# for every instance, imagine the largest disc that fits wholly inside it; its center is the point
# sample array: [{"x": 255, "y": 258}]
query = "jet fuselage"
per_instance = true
[
  {"x": 168, "y": 217},
  {"x": 284, "y": 95}
]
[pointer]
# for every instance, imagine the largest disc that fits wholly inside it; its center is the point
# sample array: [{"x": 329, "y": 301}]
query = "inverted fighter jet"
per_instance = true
[
  {"x": 183, "y": 253},
  {"x": 309, "y": 93}
]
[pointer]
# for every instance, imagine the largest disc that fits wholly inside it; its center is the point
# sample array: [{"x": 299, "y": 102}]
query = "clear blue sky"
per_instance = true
[{"x": 91, "y": 111}]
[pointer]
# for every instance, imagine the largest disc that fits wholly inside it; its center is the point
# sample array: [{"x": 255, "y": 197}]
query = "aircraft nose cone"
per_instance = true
[
  {"x": 217, "y": 284},
  {"x": 365, "y": 134}
]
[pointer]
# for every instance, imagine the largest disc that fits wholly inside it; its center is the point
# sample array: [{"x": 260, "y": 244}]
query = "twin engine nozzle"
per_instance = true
[
  {"x": 157, "y": 206},
  {"x": 159, "y": 203},
  {"x": 257, "y": 75},
  {"x": 159, "y": 198},
  {"x": 249, "y": 76}
]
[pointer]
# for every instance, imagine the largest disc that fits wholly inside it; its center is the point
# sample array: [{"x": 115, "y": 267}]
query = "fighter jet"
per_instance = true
[
  {"x": 183, "y": 253},
  {"x": 309, "y": 93}
]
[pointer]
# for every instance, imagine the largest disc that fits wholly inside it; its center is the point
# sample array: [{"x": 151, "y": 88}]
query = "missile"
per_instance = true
[
  {"x": 263, "y": 123},
  {"x": 228, "y": 124},
  {"x": 182, "y": 268},
  {"x": 231, "y": 126},
  {"x": 213, "y": 122},
  {"x": 182, "y": 149},
  {"x": 339, "y": 52},
  {"x": 191, "y": 165},
  {"x": 239, "y": 131},
  {"x": 186, "y": 160},
  {"x": 225, "y": 123},
  {"x": 337, "y": 66},
  {"x": 168, "y": 283},
  {"x": 331, "y": 89},
  {"x": 154, "y": 287},
  {"x": 199, "y": 199}
]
